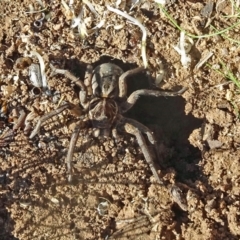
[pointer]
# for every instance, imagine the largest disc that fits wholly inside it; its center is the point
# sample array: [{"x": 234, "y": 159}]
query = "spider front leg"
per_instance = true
[
  {"x": 79, "y": 125},
  {"x": 147, "y": 92},
  {"x": 88, "y": 79},
  {"x": 135, "y": 128},
  {"x": 123, "y": 78},
  {"x": 83, "y": 89},
  {"x": 45, "y": 117}
]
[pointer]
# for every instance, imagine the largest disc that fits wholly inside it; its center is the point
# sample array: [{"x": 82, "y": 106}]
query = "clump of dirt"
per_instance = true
[{"x": 114, "y": 195}]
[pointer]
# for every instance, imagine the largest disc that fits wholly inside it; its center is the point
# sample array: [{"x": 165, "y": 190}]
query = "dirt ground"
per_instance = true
[{"x": 113, "y": 194}]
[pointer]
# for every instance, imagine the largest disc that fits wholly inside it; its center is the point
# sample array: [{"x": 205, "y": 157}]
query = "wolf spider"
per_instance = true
[{"x": 103, "y": 97}]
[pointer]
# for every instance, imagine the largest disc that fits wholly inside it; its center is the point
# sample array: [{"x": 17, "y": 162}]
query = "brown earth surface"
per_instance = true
[{"x": 114, "y": 195}]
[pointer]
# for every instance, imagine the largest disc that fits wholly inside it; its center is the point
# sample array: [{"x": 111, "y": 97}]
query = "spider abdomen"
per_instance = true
[{"x": 103, "y": 112}]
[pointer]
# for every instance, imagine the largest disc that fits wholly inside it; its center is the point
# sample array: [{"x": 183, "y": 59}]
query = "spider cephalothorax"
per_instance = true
[
  {"x": 103, "y": 109},
  {"x": 103, "y": 97},
  {"x": 105, "y": 80}
]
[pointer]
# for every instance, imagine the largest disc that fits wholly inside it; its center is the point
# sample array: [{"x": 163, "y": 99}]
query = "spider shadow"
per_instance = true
[{"x": 166, "y": 118}]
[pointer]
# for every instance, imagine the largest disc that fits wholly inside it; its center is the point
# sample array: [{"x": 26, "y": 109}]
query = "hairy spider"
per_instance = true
[{"x": 103, "y": 97}]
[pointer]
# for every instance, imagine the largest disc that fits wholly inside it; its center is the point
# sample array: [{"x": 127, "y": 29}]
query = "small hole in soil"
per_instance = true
[{"x": 72, "y": 225}]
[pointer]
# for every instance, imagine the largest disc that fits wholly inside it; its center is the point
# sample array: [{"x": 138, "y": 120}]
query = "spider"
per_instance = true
[{"x": 103, "y": 97}]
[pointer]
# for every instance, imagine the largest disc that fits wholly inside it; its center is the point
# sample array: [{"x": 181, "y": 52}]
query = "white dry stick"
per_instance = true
[
  {"x": 118, "y": 2},
  {"x": 42, "y": 68},
  {"x": 203, "y": 60},
  {"x": 99, "y": 25},
  {"x": 182, "y": 51},
  {"x": 162, "y": 2},
  {"x": 134, "y": 4},
  {"x": 79, "y": 21},
  {"x": 237, "y": 3},
  {"x": 91, "y": 7},
  {"x": 136, "y": 22},
  {"x": 35, "y": 75},
  {"x": 66, "y": 6}
]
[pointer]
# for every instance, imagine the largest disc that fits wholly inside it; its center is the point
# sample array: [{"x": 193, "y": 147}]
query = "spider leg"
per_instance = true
[
  {"x": 178, "y": 197},
  {"x": 45, "y": 117},
  {"x": 142, "y": 128},
  {"x": 83, "y": 89},
  {"x": 79, "y": 125},
  {"x": 88, "y": 79},
  {"x": 135, "y": 128},
  {"x": 147, "y": 92},
  {"x": 147, "y": 132},
  {"x": 122, "y": 80}
]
